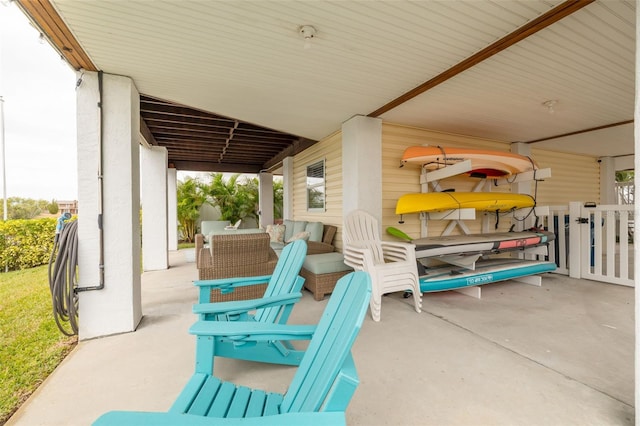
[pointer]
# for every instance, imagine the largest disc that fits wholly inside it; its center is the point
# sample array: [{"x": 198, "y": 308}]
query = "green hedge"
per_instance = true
[{"x": 26, "y": 243}]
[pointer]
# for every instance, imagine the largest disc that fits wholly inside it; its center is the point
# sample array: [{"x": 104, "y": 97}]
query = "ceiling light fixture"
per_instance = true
[
  {"x": 550, "y": 104},
  {"x": 307, "y": 32}
]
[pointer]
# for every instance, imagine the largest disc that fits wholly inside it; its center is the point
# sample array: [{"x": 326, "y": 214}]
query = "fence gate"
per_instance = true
[
  {"x": 594, "y": 243},
  {"x": 606, "y": 243}
]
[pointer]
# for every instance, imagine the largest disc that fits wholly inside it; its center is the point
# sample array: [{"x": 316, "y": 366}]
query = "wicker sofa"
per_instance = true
[
  {"x": 237, "y": 255},
  {"x": 216, "y": 227}
]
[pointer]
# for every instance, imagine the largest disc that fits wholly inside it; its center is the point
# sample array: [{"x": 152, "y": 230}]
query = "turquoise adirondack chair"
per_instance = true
[
  {"x": 320, "y": 390},
  {"x": 281, "y": 294}
]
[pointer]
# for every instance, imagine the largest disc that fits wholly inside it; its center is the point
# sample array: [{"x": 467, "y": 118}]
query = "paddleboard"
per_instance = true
[
  {"x": 495, "y": 242},
  {"x": 483, "y": 162},
  {"x": 483, "y": 201},
  {"x": 487, "y": 271}
]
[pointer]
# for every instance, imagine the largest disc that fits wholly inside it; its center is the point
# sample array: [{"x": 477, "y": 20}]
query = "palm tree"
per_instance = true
[
  {"x": 234, "y": 199},
  {"x": 624, "y": 175},
  {"x": 278, "y": 199},
  {"x": 190, "y": 199}
]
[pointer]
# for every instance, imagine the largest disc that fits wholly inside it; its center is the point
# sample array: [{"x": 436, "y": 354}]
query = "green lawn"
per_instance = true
[{"x": 31, "y": 346}]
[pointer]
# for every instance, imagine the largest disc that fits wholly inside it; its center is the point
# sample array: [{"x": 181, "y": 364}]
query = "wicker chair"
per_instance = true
[{"x": 241, "y": 255}]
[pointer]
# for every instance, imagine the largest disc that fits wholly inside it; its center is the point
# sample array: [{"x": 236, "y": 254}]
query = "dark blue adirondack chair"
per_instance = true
[
  {"x": 318, "y": 394},
  {"x": 281, "y": 294}
]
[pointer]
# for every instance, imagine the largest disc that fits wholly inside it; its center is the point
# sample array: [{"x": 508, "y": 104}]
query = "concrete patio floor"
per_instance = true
[{"x": 560, "y": 354}]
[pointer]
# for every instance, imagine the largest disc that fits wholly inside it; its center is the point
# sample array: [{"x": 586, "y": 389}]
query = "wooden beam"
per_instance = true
[
  {"x": 146, "y": 133},
  {"x": 577, "y": 132},
  {"x": 292, "y": 150},
  {"x": 532, "y": 27},
  {"x": 45, "y": 17},
  {"x": 213, "y": 166}
]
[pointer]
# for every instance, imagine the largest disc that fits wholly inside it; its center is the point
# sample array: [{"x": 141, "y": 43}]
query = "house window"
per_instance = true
[{"x": 315, "y": 187}]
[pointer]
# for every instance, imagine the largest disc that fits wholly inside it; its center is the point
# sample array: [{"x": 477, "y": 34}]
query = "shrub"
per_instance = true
[{"x": 26, "y": 243}]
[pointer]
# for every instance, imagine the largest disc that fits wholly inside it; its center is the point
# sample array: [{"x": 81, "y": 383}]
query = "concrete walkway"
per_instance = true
[{"x": 560, "y": 354}]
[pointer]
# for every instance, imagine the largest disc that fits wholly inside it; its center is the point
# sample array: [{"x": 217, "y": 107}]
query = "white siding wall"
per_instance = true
[
  {"x": 574, "y": 177},
  {"x": 329, "y": 149}
]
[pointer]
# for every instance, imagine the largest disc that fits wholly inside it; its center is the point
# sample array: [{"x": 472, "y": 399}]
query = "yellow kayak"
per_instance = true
[{"x": 482, "y": 201}]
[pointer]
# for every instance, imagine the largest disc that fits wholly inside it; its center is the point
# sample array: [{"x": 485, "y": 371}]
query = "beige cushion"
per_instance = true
[
  {"x": 276, "y": 233},
  {"x": 304, "y": 235}
]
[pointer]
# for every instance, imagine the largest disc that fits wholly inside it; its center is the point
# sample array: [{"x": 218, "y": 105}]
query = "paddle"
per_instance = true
[{"x": 398, "y": 233}]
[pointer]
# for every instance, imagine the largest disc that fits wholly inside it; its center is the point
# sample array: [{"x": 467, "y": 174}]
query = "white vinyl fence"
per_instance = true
[{"x": 593, "y": 242}]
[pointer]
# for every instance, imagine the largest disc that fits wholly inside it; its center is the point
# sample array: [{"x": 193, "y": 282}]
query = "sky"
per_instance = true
[{"x": 38, "y": 89}]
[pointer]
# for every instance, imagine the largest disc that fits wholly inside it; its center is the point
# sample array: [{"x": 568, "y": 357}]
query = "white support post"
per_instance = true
[
  {"x": 265, "y": 189},
  {"x": 172, "y": 208},
  {"x": 155, "y": 247},
  {"x": 362, "y": 179},
  {"x": 287, "y": 188},
  {"x": 110, "y": 138},
  {"x": 636, "y": 215},
  {"x": 607, "y": 180}
]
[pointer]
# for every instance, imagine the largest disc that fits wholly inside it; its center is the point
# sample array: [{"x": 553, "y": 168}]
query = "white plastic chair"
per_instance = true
[{"x": 392, "y": 265}]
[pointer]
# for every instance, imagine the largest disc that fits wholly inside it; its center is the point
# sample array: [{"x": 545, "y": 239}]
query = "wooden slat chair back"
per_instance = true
[
  {"x": 281, "y": 295},
  {"x": 320, "y": 390},
  {"x": 330, "y": 348},
  {"x": 285, "y": 279},
  {"x": 362, "y": 229}
]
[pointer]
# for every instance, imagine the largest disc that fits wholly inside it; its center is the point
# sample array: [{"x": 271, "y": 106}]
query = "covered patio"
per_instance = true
[
  {"x": 241, "y": 87},
  {"x": 560, "y": 354}
]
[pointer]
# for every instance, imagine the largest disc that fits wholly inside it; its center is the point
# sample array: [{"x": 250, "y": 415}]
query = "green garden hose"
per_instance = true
[{"x": 63, "y": 278}]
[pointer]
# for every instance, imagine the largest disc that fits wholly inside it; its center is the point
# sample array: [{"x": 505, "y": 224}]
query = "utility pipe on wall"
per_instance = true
[{"x": 100, "y": 286}]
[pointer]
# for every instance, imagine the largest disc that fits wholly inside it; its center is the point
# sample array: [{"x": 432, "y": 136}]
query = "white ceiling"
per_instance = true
[{"x": 246, "y": 60}]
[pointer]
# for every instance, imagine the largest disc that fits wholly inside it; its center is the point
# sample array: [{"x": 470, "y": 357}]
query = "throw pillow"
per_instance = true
[
  {"x": 304, "y": 235},
  {"x": 276, "y": 233}
]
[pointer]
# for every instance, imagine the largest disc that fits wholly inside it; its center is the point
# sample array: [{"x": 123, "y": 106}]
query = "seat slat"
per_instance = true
[
  {"x": 240, "y": 401},
  {"x": 207, "y": 393},
  {"x": 255, "y": 408},
  {"x": 188, "y": 394},
  {"x": 272, "y": 406},
  {"x": 222, "y": 400}
]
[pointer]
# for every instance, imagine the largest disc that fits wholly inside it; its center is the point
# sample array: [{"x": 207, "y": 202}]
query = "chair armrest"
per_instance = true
[
  {"x": 252, "y": 331},
  {"x": 396, "y": 251},
  {"x": 358, "y": 257},
  {"x": 241, "y": 306},
  {"x": 343, "y": 387},
  {"x": 199, "y": 240},
  {"x": 226, "y": 285},
  {"x": 316, "y": 247},
  {"x": 118, "y": 418},
  {"x": 228, "y": 282},
  {"x": 199, "y": 244}
]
